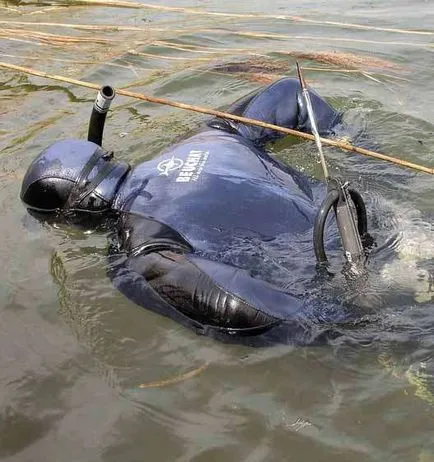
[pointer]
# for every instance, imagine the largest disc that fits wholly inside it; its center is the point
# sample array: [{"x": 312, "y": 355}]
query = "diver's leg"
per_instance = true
[{"x": 281, "y": 103}]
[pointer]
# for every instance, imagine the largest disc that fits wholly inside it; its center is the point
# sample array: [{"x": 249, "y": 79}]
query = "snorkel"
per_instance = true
[
  {"x": 101, "y": 106},
  {"x": 346, "y": 202},
  {"x": 76, "y": 180}
]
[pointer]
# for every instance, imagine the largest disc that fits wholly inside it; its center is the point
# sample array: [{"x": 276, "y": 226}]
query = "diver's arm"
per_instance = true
[
  {"x": 166, "y": 282},
  {"x": 153, "y": 270},
  {"x": 280, "y": 103}
]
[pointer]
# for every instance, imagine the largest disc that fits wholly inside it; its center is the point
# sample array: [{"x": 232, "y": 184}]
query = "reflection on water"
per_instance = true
[{"x": 74, "y": 351}]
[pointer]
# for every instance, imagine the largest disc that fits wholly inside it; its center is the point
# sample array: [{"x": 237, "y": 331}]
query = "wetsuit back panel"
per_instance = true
[{"x": 243, "y": 192}]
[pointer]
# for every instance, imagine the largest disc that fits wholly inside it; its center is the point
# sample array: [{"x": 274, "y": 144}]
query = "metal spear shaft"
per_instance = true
[
  {"x": 351, "y": 242},
  {"x": 313, "y": 122}
]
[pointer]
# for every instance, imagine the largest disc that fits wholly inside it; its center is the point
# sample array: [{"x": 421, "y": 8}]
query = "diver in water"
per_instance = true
[{"x": 214, "y": 233}]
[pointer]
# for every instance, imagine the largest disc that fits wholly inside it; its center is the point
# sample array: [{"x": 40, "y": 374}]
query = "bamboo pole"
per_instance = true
[{"x": 224, "y": 115}]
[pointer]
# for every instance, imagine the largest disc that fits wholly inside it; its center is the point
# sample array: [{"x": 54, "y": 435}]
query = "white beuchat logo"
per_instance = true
[
  {"x": 169, "y": 165},
  {"x": 193, "y": 166}
]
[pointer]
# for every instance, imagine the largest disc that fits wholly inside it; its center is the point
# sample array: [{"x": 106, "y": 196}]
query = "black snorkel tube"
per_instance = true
[
  {"x": 346, "y": 202},
  {"x": 99, "y": 113}
]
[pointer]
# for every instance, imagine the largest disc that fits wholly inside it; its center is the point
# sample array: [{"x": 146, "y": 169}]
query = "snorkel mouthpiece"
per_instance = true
[{"x": 99, "y": 112}]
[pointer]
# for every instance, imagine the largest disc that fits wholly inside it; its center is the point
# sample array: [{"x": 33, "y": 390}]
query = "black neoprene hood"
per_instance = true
[{"x": 72, "y": 174}]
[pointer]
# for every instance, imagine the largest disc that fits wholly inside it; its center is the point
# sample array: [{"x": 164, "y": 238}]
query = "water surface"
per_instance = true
[{"x": 74, "y": 351}]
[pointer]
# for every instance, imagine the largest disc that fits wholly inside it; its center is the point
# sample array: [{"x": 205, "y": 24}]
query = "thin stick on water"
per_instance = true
[
  {"x": 51, "y": 38},
  {"x": 174, "y": 380},
  {"x": 312, "y": 122},
  {"x": 225, "y": 115},
  {"x": 196, "y": 11},
  {"x": 223, "y": 31}
]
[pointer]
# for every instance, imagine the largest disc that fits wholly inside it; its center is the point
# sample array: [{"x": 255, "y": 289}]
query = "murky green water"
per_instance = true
[{"x": 74, "y": 351}]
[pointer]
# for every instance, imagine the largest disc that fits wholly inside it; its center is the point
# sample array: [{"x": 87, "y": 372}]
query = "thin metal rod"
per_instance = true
[
  {"x": 225, "y": 115},
  {"x": 313, "y": 122}
]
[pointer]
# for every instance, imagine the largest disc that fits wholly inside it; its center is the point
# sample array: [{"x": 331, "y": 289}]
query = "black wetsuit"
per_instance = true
[{"x": 214, "y": 232}]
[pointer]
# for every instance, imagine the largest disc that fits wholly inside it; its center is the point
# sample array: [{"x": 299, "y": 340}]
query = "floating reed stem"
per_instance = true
[
  {"x": 9, "y": 9},
  {"x": 116, "y": 28},
  {"x": 51, "y": 38},
  {"x": 93, "y": 27},
  {"x": 266, "y": 66},
  {"x": 195, "y": 11},
  {"x": 151, "y": 99},
  {"x": 193, "y": 48},
  {"x": 44, "y": 10},
  {"x": 316, "y": 38},
  {"x": 349, "y": 60},
  {"x": 175, "y": 379},
  {"x": 130, "y": 67},
  {"x": 174, "y": 58},
  {"x": 13, "y": 39}
]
